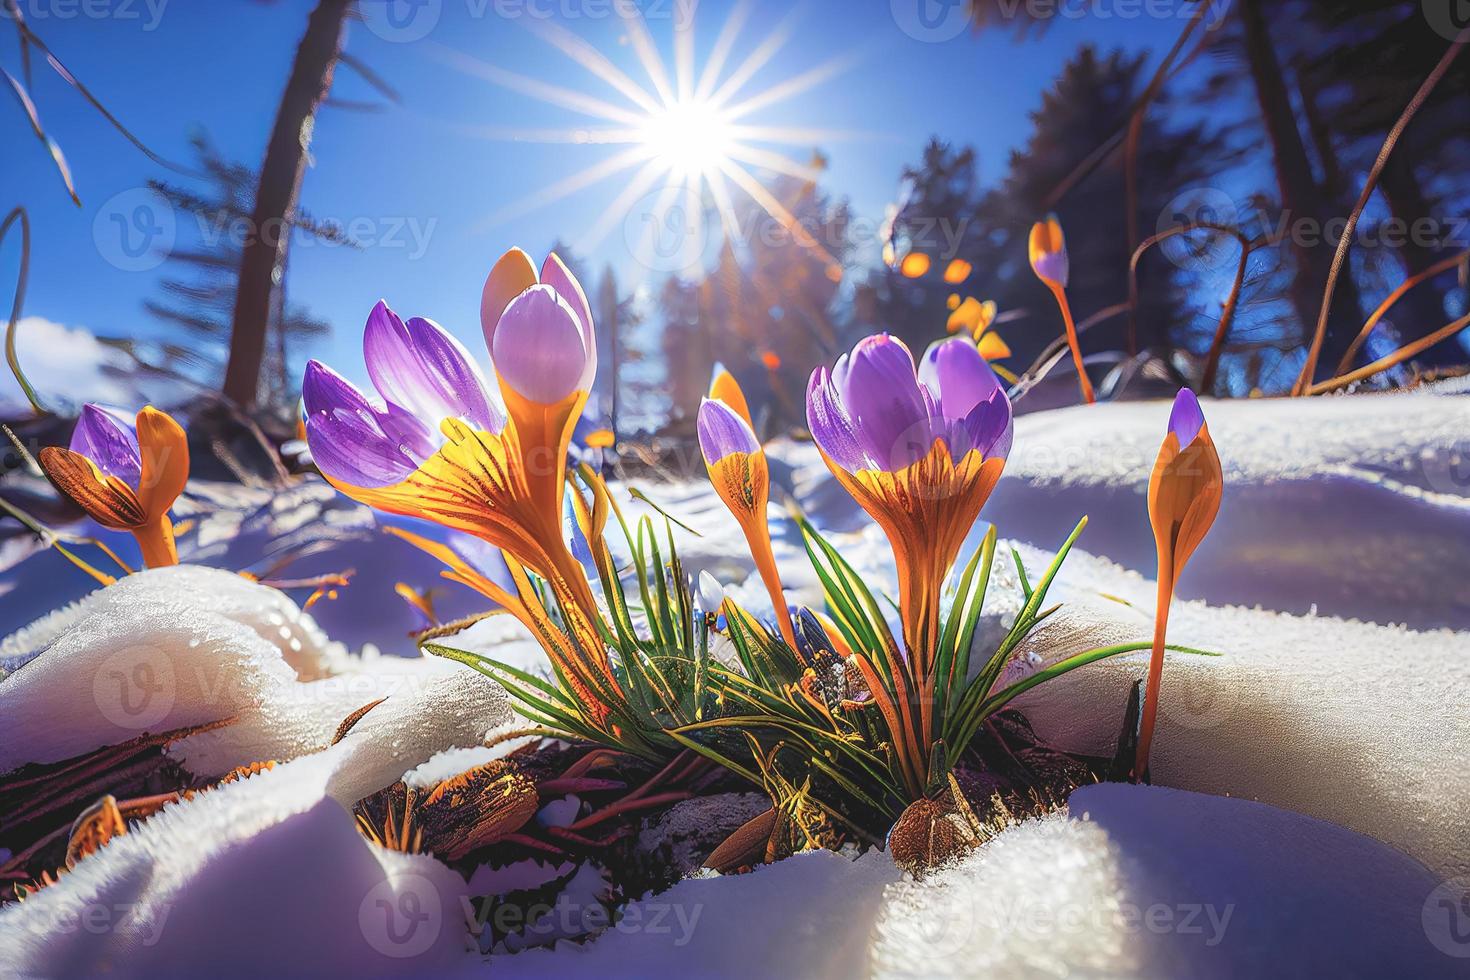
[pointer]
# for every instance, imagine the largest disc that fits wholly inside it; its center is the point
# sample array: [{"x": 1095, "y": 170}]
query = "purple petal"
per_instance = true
[
  {"x": 1053, "y": 266},
  {"x": 831, "y": 429},
  {"x": 419, "y": 367},
  {"x": 722, "y": 431},
  {"x": 883, "y": 399},
  {"x": 1187, "y": 418},
  {"x": 989, "y": 427},
  {"x": 351, "y": 440},
  {"x": 955, "y": 373},
  {"x": 107, "y": 437},
  {"x": 539, "y": 347},
  {"x": 555, "y": 274}
]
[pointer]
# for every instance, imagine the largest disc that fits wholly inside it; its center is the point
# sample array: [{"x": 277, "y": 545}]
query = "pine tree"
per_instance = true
[{"x": 198, "y": 300}]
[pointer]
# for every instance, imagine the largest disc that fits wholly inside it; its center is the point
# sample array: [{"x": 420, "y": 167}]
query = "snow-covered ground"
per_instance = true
[
  {"x": 1349, "y": 729},
  {"x": 1356, "y": 507}
]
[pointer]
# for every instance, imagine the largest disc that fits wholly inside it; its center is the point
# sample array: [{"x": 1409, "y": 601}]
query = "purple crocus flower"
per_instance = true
[
  {"x": 540, "y": 348},
  {"x": 125, "y": 472},
  {"x": 539, "y": 328},
  {"x": 722, "y": 431},
  {"x": 109, "y": 438},
  {"x": 874, "y": 411},
  {"x": 423, "y": 376}
]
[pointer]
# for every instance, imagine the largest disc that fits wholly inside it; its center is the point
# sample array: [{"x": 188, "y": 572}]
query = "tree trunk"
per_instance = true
[
  {"x": 276, "y": 197},
  {"x": 1302, "y": 199}
]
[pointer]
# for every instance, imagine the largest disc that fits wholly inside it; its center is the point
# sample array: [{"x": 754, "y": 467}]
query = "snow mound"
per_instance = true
[
  {"x": 1142, "y": 881},
  {"x": 1260, "y": 440},
  {"x": 1359, "y": 724},
  {"x": 807, "y": 916},
  {"x": 269, "y": 613},
  {"x": 124, "y": 671},
  {"x": 278, "y": 852},
  {"x": 180, "y": 647}
]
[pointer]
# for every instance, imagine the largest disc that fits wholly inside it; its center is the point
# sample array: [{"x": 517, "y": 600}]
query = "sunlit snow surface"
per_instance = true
[{"x": 1357, "y": 507}]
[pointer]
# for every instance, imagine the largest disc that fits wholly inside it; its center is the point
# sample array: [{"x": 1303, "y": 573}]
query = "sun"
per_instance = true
[
  {"x": 688, "y": 133},
  {"x": 692, "y": 138}
]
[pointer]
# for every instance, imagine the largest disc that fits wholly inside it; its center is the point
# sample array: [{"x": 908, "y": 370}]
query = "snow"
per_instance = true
[
  {"x": 1356, "y": 723},
  {"x": 241, "y": 880},
  {"x": 270, "y": 870},
  {"x": 1142, "y": 881},
  {"x": 1337, "y": 505},
  {"x": 1129, "y": 881},
  {"x": 269, "y": 613},
  {"x": 184, "y": 646},
  {"x": 295, "y": 532},
  {"x": 808, "y": 916}
]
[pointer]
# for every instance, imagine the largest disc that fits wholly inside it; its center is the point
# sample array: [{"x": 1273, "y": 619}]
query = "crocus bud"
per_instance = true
[
  {"x": 539, "y": 358},
  {"x": 539, "y": 349},
  {"x": 1184, "y": 492},
  {"x": 710, "y": 594},
  {"x": 1048, "y": 248},
  {"x": 724, "y": 388},
  {"x": 738, "y": 469},
  {"x": 1183, "y": 499}
]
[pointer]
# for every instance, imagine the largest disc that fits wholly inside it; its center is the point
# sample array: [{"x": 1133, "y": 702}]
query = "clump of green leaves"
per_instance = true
[{"x": 819, "y": 727}]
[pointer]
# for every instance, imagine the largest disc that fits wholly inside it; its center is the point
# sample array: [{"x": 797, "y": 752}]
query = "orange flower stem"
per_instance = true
[
  {"x": 1155, "y": 673},
  {"x": 1072, "y": 342},
  {"x": 759, "y": 540},
  {"x": 156, "y": 539}
]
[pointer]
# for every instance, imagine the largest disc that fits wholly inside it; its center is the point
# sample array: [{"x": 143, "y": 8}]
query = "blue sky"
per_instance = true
[{"x": 422, "y": 186}]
